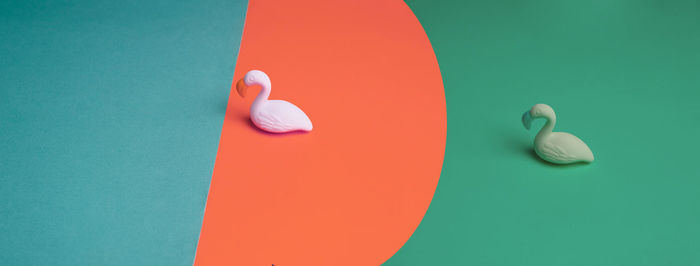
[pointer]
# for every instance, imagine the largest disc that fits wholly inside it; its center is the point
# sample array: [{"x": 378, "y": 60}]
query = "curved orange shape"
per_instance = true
[{"x": 352, "y": 191}]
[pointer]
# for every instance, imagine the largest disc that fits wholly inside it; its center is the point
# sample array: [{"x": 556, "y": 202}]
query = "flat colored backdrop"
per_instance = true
[
  {"x": 110, "y": 117},
  {"x": 624, "y": 76}
]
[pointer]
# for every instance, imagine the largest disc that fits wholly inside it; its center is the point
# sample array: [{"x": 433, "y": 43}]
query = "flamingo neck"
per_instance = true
[
  {"x": 262, "y": 96},
  {"x": 547, "y": 128}
]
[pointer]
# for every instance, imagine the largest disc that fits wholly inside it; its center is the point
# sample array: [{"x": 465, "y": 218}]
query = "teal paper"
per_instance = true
[{"x": 110, "y": 117}]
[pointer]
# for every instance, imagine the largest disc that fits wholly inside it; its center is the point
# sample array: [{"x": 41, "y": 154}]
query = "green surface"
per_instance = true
[
  {"x": 624, "y": 76},
  {"x": 110, "y": 117}
]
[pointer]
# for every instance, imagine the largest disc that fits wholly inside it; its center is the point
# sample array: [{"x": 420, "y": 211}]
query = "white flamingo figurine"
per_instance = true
[
  {"x": 556, "y": 147},
  {"x": 274, "y": 116}
]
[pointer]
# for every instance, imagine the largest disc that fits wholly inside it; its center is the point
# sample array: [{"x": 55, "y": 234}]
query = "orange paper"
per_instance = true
[{"x": 353, "y": 190}]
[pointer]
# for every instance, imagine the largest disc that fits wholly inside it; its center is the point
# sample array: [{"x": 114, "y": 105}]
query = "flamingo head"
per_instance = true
[
  {"x": 537, "y": 111},
  {"x": 252, "y": 78}
]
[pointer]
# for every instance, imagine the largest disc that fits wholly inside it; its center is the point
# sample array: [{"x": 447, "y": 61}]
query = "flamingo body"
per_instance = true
[
  {"x": 563, "y": 148},
  {"x": 279, "y": 116}
]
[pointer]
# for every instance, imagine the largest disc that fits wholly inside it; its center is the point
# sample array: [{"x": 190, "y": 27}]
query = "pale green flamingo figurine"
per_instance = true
[{"x": 556, "y": 147}]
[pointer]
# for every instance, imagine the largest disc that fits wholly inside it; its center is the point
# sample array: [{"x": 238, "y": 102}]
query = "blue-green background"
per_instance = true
[
  {"x": 623, "y": 75},
  {"x": 110, "y": 117}
]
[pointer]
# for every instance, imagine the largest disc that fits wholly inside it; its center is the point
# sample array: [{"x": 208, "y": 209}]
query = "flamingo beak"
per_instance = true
[
  {"x": 527, "y": 119},
  {"x": 242, "y": 88}
]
